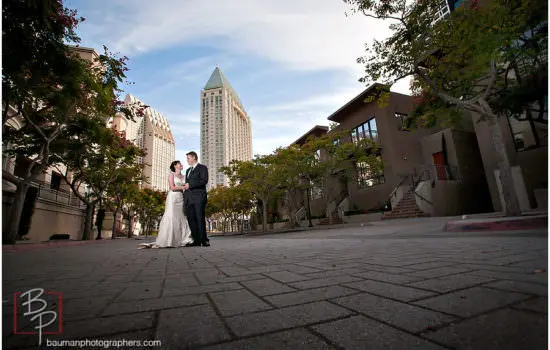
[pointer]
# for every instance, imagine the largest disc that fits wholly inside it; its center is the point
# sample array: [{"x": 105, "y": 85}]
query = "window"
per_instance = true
[
  {"x": 528, "y": 134},
  {"x": 318, "y": 154},
  {"x": 367, "y": 177},
  {"x": 401, "y": 117},
  {"x": 316, "y": 192},
  {"x": 55, "y": 182},
  {"x": 366, "y": 130}
]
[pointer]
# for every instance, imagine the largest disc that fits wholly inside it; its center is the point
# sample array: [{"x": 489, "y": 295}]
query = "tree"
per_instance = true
[
  {"x": 129, "y": 210},
  {"x": 99, "y": 160},
  {"x": 36, "y": 65},
  {"x": 477, "y": 60},
  {"x": 127, "y": 175},
  {"x": 50, "y": 95},
  {"x": 220, "y": 203},
  {"x": 259, "y": 177},
  {"x": 333, "y": 157},
  {"x": 294, "y": 166},
  {"x": 150, "y": 208}
]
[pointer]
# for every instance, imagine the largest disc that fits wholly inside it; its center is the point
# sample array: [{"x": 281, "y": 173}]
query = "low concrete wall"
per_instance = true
[
  {"x": 443, "y": 198},
  {"x": 278, "y": 225},
  {"x": 51, "y": 218},
  {"x": 305, "y": 223},
  {"x": 363, "y": 218},
  {"x": 424, "y": 190}
]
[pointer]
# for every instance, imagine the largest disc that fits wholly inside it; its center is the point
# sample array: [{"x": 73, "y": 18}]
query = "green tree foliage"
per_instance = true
[
  {"x": 334, "y": 158},
  {"x": 229, "y": 204},
  {"x": 489, "y": 60},
  {"x": 50, "y": 96},
  {"x": 102, "y": 161},
  {"x": 149, "y": 207},
  {"x": 259, "y": 177}
]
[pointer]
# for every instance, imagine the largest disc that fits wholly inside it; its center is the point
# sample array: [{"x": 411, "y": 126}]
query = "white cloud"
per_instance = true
[{"x": 304, "y": 35}]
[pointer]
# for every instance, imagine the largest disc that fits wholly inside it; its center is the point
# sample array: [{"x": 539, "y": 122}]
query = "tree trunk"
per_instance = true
[
  {"x": 308, "y": 207},
  {"x": 264, "y": 209},
  {"x": 16, "y": 211},
  {"x": 115, "y": 214},
  {"x": 87, "y": 233},
  {"x": 130, "y": 225},
  {"x": 291, "y": 210},
  {"x": 511, "y": 207}
]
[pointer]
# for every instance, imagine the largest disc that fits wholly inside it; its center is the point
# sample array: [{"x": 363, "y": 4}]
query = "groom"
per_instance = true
[{"x": 196, "y": 179}]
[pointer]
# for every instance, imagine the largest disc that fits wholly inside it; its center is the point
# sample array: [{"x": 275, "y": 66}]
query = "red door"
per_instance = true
[{"x": 439, "y": 163}]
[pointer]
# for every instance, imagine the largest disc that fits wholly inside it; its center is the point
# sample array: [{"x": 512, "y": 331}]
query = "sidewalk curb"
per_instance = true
[
  {"x": 504, "y": 224},
  {"x": 43, "y": 245}
]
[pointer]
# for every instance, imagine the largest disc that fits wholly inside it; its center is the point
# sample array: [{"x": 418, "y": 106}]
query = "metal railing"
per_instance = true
[
  {"x": 59, "y": 196},
  {"x": 300, "y": 214},
  {"x": 427, "y": 172},
  {"x": 440, "y": 172},
  {"x": 44, "y": 191}
]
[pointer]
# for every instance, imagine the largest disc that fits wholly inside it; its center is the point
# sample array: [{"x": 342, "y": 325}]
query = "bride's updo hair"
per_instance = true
[{"x": 173, "y": 165}]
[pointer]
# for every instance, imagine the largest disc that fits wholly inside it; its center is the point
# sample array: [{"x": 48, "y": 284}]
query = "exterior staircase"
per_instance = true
[
  {"x": 336, "y": 220},
  {"x": 406, "y": 208}
]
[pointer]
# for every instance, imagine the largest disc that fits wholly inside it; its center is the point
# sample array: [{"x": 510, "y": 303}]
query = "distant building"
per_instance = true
[
  {"x": 226, "y": 131},
  {"x": 152, "y": 133}
]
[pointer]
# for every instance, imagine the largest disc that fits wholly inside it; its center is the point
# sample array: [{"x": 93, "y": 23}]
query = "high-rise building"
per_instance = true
[
  {"x": 150, "y": 132},
  {"x": 226, "y": 131}
]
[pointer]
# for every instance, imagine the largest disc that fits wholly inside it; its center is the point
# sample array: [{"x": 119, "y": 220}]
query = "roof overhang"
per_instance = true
[
  {"x": 316, "y": 131},
  {"x": 357, "y": 101}
]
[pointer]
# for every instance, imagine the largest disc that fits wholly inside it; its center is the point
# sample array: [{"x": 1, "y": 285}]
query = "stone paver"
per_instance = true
[
  {"x": 408, "y": 317},
  {"x": 404, "y": 284},
  {"x": 289, "y": 317},
  {"x": 390, "y": 290},
  {"x": 509, "y": 329},
  {"x": 358, "y": 332},
  {"x": 471, "y": 301},
  {"x": 293, "y": 339},
  {"x": 237, "y": 302}
]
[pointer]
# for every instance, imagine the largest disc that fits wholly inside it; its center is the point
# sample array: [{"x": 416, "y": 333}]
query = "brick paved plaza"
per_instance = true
[{"x": 392, "y": 285}]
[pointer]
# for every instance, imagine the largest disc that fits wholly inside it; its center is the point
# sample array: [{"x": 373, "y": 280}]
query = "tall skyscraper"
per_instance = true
[
  {"x": 152, "y": 133},
  {"x": 226, "y": 131}
]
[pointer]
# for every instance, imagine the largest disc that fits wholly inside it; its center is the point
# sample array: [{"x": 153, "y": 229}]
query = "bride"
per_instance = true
[{"x": 174, "y": 229}]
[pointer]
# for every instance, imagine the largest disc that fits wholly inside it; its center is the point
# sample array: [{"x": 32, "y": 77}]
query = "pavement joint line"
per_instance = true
[
  {"x": 400, "y": 301},
  {"x": 388, "y": 324},
  {"x": 519, "y": 280},
  {"x": 194, "y": 274},
  {"x": 397, "y": 285},
  {"x": 260, "y": 297},
  {"x": 454, "y": 291},
  {"x": 514, "y": 307},
  {"x": 101, "y": 315},
  {"x": 508, "y": 290},
  {"x": 222, "y": 319},
  {"x": 324, "y": 338}
]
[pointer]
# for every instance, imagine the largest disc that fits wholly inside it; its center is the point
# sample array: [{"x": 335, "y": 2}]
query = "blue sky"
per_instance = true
[{"x": 292, "y": 63}]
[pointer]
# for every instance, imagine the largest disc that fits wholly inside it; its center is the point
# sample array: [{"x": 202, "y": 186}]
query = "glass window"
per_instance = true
[
  {"x": 367, "y": 177},
  {"x": 366, "y": 130},
  {"x": 401, "y": 117},
  {"x": 373, "y": 129},
  {"x": 528, "y": 134}
]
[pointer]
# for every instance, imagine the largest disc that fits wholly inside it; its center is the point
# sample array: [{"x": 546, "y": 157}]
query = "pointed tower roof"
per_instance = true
[{"x": 218, "y": 80}]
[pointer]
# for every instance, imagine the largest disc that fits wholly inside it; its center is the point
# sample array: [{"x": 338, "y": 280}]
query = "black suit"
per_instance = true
[{"x": 195, "y": 202}]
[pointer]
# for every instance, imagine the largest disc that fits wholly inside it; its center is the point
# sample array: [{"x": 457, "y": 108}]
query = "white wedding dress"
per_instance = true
[{"x": 174, "y": 229}]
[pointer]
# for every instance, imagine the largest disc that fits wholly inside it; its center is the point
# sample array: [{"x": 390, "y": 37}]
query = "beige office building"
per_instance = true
[
  {"x": 226, "y": 131},
  {"x": 152, "y": 133}
]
